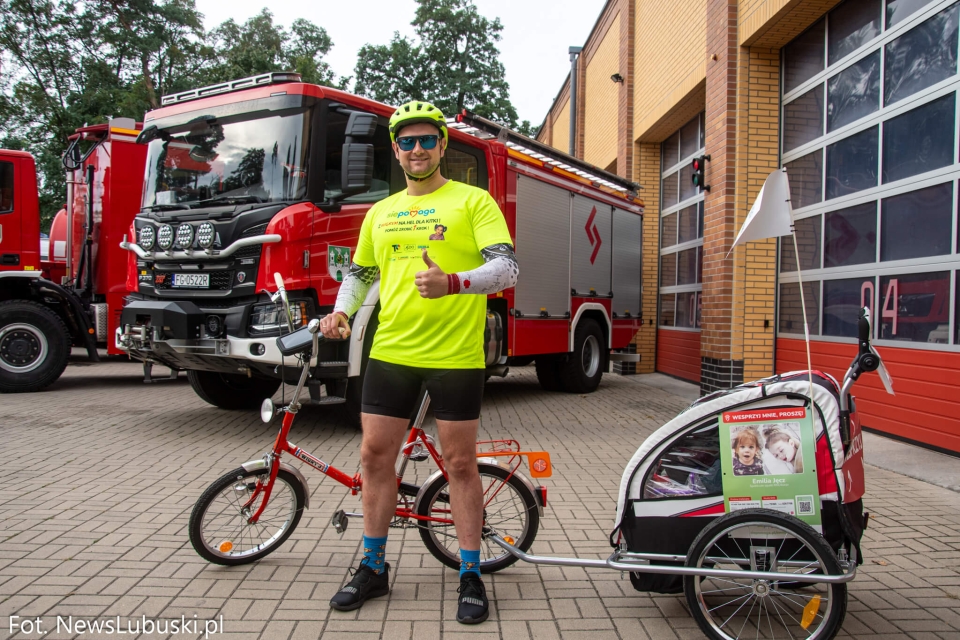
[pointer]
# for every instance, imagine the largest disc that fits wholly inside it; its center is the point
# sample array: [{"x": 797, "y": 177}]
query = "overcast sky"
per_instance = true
[{"x": 536, "y": 35}]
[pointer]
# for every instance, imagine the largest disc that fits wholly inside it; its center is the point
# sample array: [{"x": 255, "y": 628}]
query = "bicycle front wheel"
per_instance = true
[
  {"x": 729, "y": 608},
  {"x": 219, "y": 529},
  {"x": 509, "y": 508}
]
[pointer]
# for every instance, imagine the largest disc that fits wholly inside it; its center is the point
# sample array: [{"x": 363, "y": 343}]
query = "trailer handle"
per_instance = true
[{"x": 614, "y": 562}]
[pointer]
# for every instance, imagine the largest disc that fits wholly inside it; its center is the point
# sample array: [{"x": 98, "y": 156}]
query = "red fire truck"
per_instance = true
[
  {"x": 271, "y": 175},
  {"x": 74, "y": 297}
]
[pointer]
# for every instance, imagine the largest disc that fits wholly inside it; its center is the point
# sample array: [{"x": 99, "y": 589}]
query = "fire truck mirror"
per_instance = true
[
  {"x": 356, "y": 175},
  {"x": 361, "y": 125}
]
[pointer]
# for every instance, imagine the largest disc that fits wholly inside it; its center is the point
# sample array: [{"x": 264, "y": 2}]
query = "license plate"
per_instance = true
[{"x": 191, "y": 280}]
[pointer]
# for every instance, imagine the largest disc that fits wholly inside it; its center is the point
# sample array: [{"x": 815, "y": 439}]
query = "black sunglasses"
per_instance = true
[{"x": 427, "y": 142}]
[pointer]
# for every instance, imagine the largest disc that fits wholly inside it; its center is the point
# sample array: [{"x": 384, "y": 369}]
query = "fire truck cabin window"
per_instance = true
[
  {"x": 6, "y": 187},
  {"x": 461, "y": 166}
]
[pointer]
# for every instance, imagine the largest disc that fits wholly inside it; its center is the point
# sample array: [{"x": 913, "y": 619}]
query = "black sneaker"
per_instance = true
[
  {"x": 366, "y": 584},
  {"x": 472, "y": 604}
]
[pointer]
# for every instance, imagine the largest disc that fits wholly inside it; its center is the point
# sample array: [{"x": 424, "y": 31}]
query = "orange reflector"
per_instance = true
[
  {"x": 810, "y": 611},
  {"x": 90, "y": 331},
  {"x": 226, "y": 547},
  {"x": 508, "y": 539}
]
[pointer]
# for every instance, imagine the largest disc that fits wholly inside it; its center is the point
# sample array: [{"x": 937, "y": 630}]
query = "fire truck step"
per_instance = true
[
  {"x": 334, "y": 363},
  {"x": 325, "y": 400}
]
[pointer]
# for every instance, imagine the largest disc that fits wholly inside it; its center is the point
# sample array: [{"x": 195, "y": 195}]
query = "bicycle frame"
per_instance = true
[{"x": 541, "y": 467}]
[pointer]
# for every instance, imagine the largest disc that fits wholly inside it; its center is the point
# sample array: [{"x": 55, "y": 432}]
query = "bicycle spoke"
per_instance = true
[
  {"x": 782, "y": 622},
  {"x": 729, "y": 603}
]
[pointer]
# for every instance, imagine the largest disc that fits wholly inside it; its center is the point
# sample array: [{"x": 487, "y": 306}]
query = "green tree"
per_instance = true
[
  {"x": 453, "y": 62},
  {"x": 67, "y": 63},
  {"x": 260, "y": 46}
]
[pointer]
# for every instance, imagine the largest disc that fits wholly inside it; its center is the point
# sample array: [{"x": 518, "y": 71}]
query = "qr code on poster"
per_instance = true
[{"x": 805, "y": 506}]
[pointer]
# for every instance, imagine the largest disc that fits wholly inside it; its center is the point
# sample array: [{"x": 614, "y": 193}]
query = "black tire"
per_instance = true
[
  {"x": 209, "y": 530},
  {"x": 548, "y": 373},
  {"x": 515, "y": 514},
  {"x": 581, "y": 371},
  {"x": 34, "y": 346},
  {"x": 728, "y": 543},
  {"x": 232, "y": 391}
]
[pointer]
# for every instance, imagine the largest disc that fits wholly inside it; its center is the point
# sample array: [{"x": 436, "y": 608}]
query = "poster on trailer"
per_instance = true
[{"x": 770, "y": 462}]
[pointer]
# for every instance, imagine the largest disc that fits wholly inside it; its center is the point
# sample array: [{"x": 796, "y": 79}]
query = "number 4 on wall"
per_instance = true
[{"x": 890, "y": 301}]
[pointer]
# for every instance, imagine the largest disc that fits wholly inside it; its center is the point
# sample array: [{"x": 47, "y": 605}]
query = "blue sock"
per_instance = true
[
  {"x": 374, "y": 552},
  {"x": 469, "y": 561}
]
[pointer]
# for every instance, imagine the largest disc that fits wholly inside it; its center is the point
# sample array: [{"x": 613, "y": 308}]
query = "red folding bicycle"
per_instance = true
[{"x": 249, "y": 512}]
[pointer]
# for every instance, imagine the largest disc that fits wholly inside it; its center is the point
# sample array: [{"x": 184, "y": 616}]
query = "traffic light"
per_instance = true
[{"x": 698, "y": 164}]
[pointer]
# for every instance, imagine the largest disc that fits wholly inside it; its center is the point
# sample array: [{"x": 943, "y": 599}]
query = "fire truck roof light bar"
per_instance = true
[
  {"x": 480, "y": 127},
  {"x": 261, "y": 80}
]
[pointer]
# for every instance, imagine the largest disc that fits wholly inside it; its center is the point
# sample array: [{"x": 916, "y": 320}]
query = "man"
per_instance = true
[{"x": 439, "y": 248}]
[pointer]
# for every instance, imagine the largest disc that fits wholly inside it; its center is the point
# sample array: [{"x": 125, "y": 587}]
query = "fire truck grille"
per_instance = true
[
  {"x": 219, "y": 281},
  {"x": 250, "y": 252},
  {"x": 255, "y": 250}
]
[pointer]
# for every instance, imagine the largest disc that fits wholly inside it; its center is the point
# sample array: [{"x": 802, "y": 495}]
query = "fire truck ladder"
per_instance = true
[{"x": 480, "y": 127}]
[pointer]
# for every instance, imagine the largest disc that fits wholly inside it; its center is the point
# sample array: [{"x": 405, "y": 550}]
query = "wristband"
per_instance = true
[
  {"x": 453, "y": 283},
  {"x": 345, "y": 316}
]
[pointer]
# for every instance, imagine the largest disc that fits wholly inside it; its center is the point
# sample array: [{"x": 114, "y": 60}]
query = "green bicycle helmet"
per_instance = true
[{"x": 415, "y": 112}]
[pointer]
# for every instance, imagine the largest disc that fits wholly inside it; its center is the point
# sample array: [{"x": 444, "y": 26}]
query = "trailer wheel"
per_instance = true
[
  {"x": 34, "y": 346},
  {"x": 764, "y": 540},
  {"x": 548, "y": 373},
  {"x": 581, "y": 371},
  {"x": 230, "y": 390}
]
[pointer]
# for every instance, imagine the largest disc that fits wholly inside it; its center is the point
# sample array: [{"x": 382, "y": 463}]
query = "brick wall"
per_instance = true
[
  {"x": 722, "y": 363},
  {"x": 757, "y": 156},
  {"x": 773, "y": 23},
  {"x": 601, "y": 99},
  {"x": 669, "y": 61},
  {"x": 625, "y": 145},
  {"x": 561, "y": 129},
  {"x": 647, "y": 173}
]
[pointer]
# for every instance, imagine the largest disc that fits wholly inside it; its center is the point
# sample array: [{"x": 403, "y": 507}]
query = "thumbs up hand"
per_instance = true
[{"x": 432, "y": 283}]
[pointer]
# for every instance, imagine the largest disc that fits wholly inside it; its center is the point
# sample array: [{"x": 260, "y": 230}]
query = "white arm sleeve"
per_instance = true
[
  {"x": 354, "y": 288},
  {"x": 500, "y": 272}
]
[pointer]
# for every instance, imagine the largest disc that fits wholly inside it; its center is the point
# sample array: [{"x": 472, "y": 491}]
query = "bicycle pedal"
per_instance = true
[{"x": 339, "y": 521}]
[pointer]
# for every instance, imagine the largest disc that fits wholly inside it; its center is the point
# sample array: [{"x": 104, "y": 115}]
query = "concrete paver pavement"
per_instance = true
[{"x": 104, "y": 470}]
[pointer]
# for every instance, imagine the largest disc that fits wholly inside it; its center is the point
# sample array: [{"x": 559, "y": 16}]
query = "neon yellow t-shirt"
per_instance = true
[{"x": 453, "y": 223}]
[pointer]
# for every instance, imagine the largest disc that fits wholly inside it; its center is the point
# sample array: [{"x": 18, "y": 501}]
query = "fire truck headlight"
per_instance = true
[
  {"x": 148, "y": 236},
  {"x": 165, "y": 237},
  {"x": 205, "y": 235},
  {"x": 185, "y": 235}
]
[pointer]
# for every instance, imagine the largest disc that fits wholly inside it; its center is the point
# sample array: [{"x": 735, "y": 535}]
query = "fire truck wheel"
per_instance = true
[
  {"x": 232, "y": 391},
  {"x": 548, "y": 373},
  {"x": 581, "y": 370},
  {"x": 34, "y": 346}
]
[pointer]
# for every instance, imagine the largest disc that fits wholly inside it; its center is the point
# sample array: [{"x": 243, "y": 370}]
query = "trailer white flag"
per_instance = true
[{"x": 771, "y": 214}]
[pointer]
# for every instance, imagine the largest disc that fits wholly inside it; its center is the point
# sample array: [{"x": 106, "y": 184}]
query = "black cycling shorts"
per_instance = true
[{"x": 393, "y": 390}]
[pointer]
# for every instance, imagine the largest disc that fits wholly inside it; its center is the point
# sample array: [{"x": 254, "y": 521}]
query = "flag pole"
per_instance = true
[{"x": 803, "y": 308}]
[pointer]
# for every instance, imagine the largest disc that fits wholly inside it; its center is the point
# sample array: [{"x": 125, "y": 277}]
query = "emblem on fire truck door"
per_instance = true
[
  {"x": 593, "y": 235},
  {"x": 338, "y": 261}
]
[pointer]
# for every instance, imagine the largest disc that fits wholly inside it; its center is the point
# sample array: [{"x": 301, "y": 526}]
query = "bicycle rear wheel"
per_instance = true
[
  {"x": 219, "y": 529},
  {"x": 510, "y": 509}
]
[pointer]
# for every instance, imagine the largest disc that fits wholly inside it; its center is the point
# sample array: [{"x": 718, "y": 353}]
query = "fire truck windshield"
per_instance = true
[{"x": 210, "y": 160}]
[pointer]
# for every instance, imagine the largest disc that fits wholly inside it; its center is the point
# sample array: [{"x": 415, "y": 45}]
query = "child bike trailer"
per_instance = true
[{"x": 716, "y": 488}]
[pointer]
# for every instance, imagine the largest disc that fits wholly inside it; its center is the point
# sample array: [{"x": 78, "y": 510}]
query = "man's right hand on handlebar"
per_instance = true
[{"x": 335, "y": 326}]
